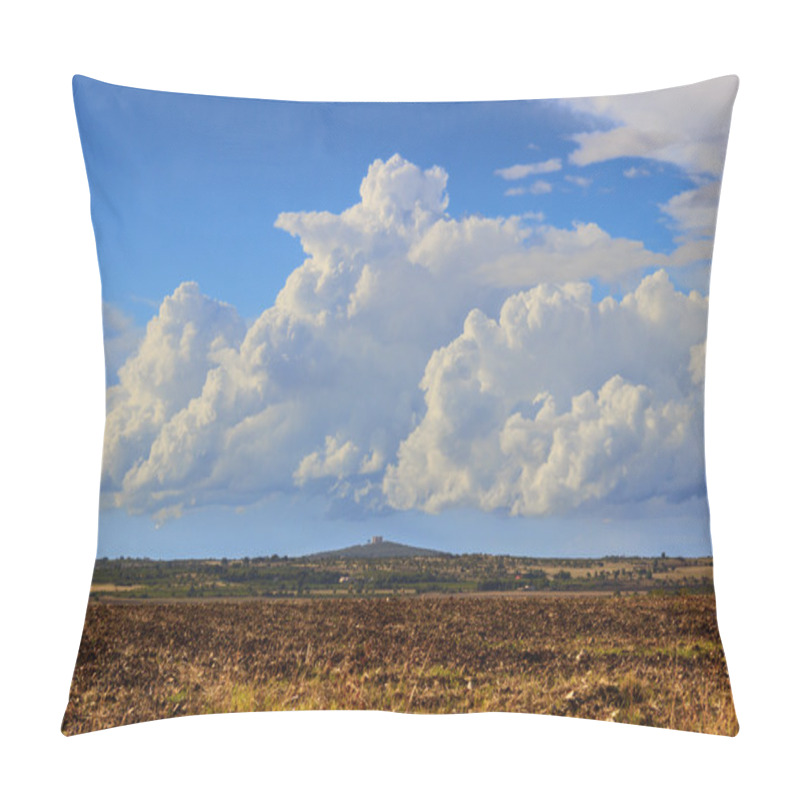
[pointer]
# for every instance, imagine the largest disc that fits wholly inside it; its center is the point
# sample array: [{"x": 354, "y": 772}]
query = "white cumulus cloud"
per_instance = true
[
  {"x": 322, "y": 392},
  {"x": 558, "y": 402},
  {"x": 187, "y": 339}
]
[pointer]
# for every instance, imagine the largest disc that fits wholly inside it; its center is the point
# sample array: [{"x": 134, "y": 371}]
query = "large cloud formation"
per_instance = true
[
  {"x": 418, "y": 361},
  {"x": 559, "y": 402}
]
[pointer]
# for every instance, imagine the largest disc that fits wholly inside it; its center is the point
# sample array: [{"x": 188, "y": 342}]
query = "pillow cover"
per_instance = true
[{"x": 404, "y": 407}]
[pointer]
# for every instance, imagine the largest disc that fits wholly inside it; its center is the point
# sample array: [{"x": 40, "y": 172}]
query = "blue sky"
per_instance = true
[{"x": 244, "y": 422}]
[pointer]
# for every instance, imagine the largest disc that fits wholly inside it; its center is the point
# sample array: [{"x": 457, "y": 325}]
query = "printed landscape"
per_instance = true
[
  {"x": 367, "y": 570},
  {"x": 628, "y": 640},
  {"x": 404, "y": 407}
]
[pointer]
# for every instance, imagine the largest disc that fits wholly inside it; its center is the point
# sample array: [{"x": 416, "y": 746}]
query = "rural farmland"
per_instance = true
[
  {"x": 648, "y": 655},
  {"x": 367, "y": 571}
]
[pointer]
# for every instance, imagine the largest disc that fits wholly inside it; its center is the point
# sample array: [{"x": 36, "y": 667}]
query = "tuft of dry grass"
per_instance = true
[{"x": 642, "y": 660}]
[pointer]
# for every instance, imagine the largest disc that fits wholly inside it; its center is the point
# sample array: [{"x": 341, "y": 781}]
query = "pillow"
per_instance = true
[{"x": 404, "y": 407}]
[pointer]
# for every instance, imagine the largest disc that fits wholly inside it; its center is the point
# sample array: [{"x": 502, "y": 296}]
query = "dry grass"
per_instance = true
[
  {"x": 642, "y": 660},
  {"x": 114, "y": 588}
]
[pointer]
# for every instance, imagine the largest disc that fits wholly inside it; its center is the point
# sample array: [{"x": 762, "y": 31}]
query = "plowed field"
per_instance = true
[{"x": 644, "y": 660}]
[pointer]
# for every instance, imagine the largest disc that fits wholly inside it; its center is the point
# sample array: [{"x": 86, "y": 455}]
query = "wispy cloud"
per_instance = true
[
  {"x": 540, "y": 187},
  {"x": 579, "y": 180},
  {"x": 693, "y": 213},
  {"x": 519, "y": 171}
]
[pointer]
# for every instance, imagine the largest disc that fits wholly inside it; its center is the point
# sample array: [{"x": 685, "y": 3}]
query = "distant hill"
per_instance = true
[{"x": 377, "y": 548}]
